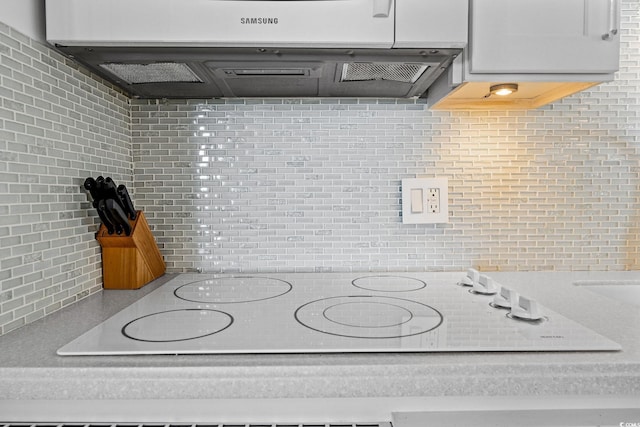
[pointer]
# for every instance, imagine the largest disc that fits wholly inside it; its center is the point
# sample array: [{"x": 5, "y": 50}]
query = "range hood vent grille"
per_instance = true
[
  {"x": 397, "y": 72},
  {"x": 272, "y": 72},
  {"x": 230, "y": 72},
  {"x": 159, "y": 72}
]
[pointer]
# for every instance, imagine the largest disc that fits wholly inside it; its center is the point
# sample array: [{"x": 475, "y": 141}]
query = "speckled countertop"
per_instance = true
[{"x": 30, "y": 368}]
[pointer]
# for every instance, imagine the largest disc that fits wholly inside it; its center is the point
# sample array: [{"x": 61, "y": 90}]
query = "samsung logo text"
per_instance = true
[{"x": 259, "y": 21}]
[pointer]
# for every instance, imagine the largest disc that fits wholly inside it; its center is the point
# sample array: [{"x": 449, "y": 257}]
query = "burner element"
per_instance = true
[
  {"x": 387, "y": 315},
  {"x": 388, "y": 283},
  {"x": 177, "y": 325},
  {"x": 368, "y": 317},
  {"x": 229, "y": 290}
]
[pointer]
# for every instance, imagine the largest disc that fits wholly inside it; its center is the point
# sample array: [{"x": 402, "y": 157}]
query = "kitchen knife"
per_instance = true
[
  {"x": 126, "y": 201},
  {"x": 118, "y": 215},
  {"x": 100, "y": 188},
  {"x": 100, "y": 181},
  {"x": 110, "y": 191},
  {"x": 91, "y": 185},
  {"x": 105, "y": 221},
  {"x": 101, "y": 208}
]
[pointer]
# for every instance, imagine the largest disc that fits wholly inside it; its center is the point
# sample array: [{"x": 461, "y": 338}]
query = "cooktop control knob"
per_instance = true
[
  {"x": 526, "y": 309},
  {"x": 485, "y": 285},
  {"x": 506, "y": 298},
  {"x": 472, "y": 277}
]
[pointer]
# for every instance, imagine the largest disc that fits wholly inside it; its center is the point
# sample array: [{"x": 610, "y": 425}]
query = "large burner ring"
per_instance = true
[{"x": 368, "y": 316}]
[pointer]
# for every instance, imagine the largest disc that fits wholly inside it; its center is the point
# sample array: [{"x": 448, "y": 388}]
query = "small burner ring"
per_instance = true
[
  {"x": 388, "y": 283},
  {"x": 232, "y": 290},
  {"x": 332, "y": 317}
]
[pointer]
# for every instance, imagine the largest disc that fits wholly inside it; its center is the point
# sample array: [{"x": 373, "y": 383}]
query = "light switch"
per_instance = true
[
  {"x": 417, "y": 202},
  {"x": 425, "y": 200}
]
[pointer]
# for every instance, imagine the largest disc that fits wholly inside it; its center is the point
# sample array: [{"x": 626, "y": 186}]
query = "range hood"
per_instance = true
[
  {"x": 262, "y": 48},
  {"x": 170, "y": 72}
]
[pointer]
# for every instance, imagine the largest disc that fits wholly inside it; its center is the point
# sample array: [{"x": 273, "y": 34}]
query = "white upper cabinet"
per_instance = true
[
  {"x": 431, "y": 23},
  {"x": 544, "y": 36}
]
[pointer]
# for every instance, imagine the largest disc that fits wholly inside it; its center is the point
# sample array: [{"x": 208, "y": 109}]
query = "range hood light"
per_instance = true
[{"x": 503, "y": 89}]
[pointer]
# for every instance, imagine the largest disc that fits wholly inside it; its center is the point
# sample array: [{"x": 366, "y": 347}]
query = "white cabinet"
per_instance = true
[
  {"x": 544, "y": 36},
  {"x": 26, "y": 16},
  {"x": 431, "y": 23},
  {"x": 546, "y": 49}
]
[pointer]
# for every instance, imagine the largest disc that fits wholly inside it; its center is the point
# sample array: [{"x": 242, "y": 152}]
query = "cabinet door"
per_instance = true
[
  {"x": 544, "y": 36},
  {"x": 265, "y": 23},
  {"x": 431, "y": 23}
]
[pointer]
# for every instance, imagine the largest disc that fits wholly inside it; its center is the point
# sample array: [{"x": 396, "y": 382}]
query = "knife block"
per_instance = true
[{"x": 130, "y": 262}]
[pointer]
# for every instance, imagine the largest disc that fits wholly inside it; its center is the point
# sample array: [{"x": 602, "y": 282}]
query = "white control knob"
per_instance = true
[
  {"x": 485, "y": 285},
  {"x": 526, "y": 309},
  {"x": 472, "y": 277},
  {"x": 506, "y": 298}
]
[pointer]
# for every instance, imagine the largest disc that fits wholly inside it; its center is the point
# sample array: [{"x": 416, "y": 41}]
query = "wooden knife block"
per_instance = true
[{"x": 130, "y": 262}]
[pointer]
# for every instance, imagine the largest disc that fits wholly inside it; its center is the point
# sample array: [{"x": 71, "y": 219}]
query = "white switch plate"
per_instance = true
[{"x": 425, "y": 200}]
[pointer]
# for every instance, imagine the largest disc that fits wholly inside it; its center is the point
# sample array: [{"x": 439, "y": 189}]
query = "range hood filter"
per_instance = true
[
  {"x": 368, "y": 71},
  {"x": 159, "y": 72}
]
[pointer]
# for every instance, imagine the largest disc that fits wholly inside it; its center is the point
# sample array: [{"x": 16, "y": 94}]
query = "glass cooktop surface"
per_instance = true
[{"x": 334, "y": 312}]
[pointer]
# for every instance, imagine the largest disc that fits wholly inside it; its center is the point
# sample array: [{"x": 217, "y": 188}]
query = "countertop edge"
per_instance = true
[{"x": 79, "y": 383}]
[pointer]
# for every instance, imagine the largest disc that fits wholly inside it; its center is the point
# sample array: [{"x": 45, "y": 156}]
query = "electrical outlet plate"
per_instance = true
[{"x": 425, "y": 200}]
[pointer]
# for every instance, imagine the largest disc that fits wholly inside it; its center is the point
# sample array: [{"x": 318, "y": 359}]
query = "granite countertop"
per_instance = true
[{"x": 30, "y": 368}]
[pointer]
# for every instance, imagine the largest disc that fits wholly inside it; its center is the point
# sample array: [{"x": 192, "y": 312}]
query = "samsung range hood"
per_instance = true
[{"x": 262, "y": 48}]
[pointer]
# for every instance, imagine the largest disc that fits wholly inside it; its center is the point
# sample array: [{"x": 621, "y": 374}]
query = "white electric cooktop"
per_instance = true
[{"x": 335, "y": 312}]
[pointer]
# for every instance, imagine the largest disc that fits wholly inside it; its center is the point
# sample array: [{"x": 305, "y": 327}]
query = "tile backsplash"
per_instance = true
[
  {"x": 58, "y": 125},
  {"x": 255, "y": 185},
  {"x": 269, "y": 185}
]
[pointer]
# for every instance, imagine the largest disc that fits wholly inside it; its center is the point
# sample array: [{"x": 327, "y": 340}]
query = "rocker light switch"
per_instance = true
[
  {"x": 417, "y": 202},
  {"x": 425, "y": 200}
]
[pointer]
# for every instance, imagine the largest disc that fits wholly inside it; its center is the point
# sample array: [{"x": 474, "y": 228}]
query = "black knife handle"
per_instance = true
[
  {"x": 126, "y": 201},
  {"x": 94, "y": 189},
  {"x": 118, "y": 215},
  {"x": 100, "y": 185},
  {"x": 110, "y": 215},
  {"x": 100, "y": 188},
  {"x": 110, "y": 191},
  {"x": 91, "y": 185},
  {"x": 100, "y": 207}
]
